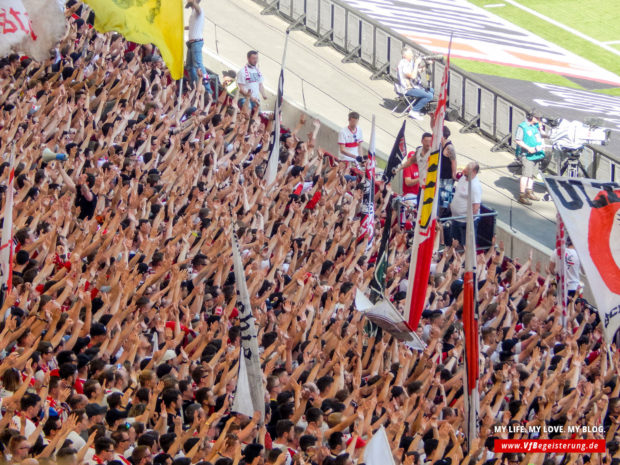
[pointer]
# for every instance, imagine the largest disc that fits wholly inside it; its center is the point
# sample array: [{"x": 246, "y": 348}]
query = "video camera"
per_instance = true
[
  {"x": 551, "y": 122},
  {"x": 575, "y": 134},
  {"x": 428, "y": 59}
]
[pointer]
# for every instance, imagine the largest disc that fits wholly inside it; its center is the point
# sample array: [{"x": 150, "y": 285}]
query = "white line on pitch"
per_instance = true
[
  {"x": 565, "y": 27},
  {"x": 612, "y": 42},
  {"x": 494, "y": 5}
]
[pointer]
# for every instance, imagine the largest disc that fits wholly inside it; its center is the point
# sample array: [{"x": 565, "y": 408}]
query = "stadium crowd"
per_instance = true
[{"x": 120, "y": 338}]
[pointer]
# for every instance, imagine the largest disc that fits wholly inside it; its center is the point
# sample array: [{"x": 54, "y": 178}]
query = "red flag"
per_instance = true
[
  {"x": 470, "y": 328},
  {"x": 424, "y": 238}
]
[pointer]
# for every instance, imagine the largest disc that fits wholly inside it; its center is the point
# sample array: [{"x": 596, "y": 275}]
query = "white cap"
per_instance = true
[{"x": 169, "y": 355}]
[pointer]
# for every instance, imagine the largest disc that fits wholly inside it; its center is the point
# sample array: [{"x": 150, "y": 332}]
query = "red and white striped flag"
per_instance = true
[
  {"x": 424, "y": 238},
  {"x": 6, "y": 247},
  {"x": 470, "y": 328}
]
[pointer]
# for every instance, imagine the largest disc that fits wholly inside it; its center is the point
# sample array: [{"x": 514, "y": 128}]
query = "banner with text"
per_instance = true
[
  {"x": 31, "y": 27},
  {"x": 591, "y": 214}
]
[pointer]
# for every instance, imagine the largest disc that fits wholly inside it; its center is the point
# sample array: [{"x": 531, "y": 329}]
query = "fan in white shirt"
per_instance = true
[
  {"x": 571, "y": 263},
  {"x": 349, "y": 139},
  {"x": 250, "y": 79},
  {"x": 30, "y": 407},
  {"x": 194, "y": 63}
]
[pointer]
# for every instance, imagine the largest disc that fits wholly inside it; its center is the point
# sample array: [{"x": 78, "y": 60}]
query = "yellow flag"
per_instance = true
[{"x": 159, "y": 22}]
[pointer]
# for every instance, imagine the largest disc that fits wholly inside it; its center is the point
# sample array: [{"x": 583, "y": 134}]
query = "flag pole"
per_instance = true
[
  {"x": 180, "y": 95},
  {"x": 367, "y": 228},
  {"x": 6, "y": 246},
  {"x": 425, "y": 226},
  {"x": 560, "y": 245},
  {"x": 286, "y": 36},
  {"x": 182, "y": 67},
  {"x": 274, "y": 153}
]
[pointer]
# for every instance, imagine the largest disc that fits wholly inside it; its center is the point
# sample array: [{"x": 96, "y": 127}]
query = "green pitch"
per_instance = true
[{"x": 599, "y": 19}]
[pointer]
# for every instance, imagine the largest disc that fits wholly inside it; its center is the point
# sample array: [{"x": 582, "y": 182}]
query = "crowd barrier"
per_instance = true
[
  {"x": 486, "y": 226},
  {"x": 479, "y": 106}
]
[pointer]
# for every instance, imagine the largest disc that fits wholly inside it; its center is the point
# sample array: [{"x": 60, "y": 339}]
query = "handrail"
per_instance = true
[
  {"x": 463, "y": 217},
  {"x": 423, "y": 50}
]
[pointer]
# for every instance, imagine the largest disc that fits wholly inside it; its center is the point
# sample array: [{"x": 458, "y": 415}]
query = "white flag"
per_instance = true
[
  {"x": 49, "y": 25},
  {"x": 386, "y": 316},
  {"x": 590, "y": 210},
  {"x": 249, "y": 344},
  {"x": 14, "y": 25},
  {"x": 367, "y": 226},
  {"x": 31, "y": 27},
  {"x": 378, "y": 450},
  {"x": 242, "y": 402},
  {"x": 6, "y": 247}
]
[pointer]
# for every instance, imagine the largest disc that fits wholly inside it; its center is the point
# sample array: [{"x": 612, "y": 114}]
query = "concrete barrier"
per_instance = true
[
  {"x": 517, "y": 244},
  {"x": 328, "y": 135}
]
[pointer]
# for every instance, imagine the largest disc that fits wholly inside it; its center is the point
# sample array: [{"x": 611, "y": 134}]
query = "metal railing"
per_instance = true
[
  {"x": 463, "y": 217},
  {"x": 480, "y": 106}
]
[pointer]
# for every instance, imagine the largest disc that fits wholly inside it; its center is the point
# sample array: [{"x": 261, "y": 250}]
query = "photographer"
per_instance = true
[
  {"x": 410, "y": 83},
  {"x": 529, "y": 143}
]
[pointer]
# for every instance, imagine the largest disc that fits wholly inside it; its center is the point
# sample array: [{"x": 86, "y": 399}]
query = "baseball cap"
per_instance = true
[
  {"x": 169, "y": 355},
  {"x": 94, "y": 410},
  {"x": 115, "y": 414}
]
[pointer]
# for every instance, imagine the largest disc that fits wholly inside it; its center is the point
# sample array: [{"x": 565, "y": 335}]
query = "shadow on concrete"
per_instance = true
[
  {"x": 508, "y": 184},
  {"x": 390, "y": 103},
  {"x": 511, "y": 186},
  {"x": 515, "y": 168}
]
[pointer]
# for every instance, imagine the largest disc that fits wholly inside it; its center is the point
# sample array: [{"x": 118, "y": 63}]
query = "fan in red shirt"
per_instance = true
[{"x": 411, "y": 190}]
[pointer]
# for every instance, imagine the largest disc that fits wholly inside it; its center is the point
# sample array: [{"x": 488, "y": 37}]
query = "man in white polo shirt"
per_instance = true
[
  {"x": 350, "y": 139},
  {"x": 250, "y": 81}
]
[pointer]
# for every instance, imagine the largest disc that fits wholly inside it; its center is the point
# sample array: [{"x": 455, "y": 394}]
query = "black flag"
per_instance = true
[
  {"x": 397, "y": 155},
  {"x": 377, "y": 284},
  {"x": 274, "y": 140}
]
